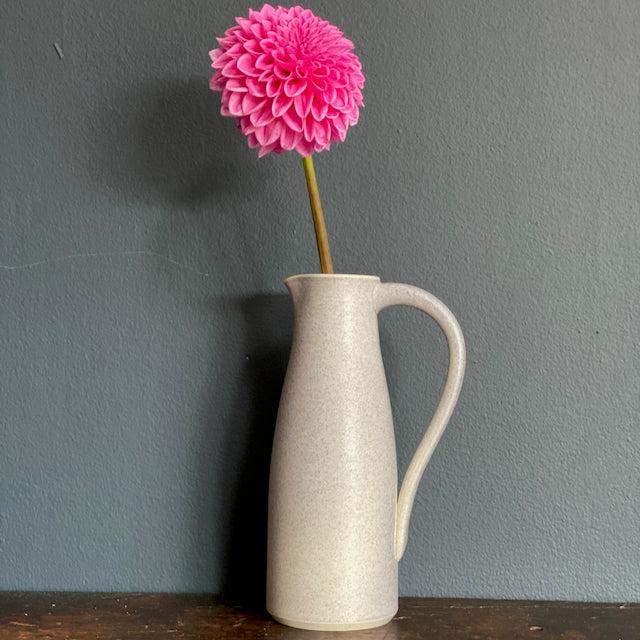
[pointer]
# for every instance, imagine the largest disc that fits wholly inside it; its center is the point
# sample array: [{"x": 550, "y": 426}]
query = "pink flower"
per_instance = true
[{"x": 289, "y": 78}]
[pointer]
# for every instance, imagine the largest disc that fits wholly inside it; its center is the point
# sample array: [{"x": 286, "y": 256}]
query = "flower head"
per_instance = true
[{"x": 289, "y": 78}]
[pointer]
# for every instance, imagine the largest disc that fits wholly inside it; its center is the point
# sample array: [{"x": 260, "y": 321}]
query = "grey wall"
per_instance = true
[{"x": 145, "y": 327}]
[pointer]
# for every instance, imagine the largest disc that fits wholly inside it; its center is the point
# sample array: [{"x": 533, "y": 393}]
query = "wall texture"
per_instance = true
[{"x": 144, "y": 327}]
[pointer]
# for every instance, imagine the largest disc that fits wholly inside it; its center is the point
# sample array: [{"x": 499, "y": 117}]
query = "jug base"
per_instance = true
[{"x": 333, "y": 626}]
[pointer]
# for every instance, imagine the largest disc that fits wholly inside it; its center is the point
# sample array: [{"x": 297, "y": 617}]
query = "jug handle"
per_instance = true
[{"x": 389, "y": 294}]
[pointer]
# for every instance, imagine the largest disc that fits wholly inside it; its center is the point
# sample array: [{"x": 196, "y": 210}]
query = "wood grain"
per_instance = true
[{"x": 110, "y": 616}]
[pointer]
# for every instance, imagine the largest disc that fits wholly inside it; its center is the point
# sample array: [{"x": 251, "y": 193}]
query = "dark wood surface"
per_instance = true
[{"x": 127, "y": 616}]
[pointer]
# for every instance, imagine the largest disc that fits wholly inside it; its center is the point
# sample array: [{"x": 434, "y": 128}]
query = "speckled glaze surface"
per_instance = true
[{"x": 337, "y": 526}]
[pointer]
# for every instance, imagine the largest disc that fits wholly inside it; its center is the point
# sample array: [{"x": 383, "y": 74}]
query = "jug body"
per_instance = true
[
  {"x": 337, "y": 525},
  {"x": 333, "y": 479}
]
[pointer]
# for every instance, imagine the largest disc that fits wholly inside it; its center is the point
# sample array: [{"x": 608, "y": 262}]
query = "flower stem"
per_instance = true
[{"x": 318, "y": 219}]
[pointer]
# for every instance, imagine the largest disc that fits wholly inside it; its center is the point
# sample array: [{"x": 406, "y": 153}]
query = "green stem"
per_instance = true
[{"x": 318, "y": 219}]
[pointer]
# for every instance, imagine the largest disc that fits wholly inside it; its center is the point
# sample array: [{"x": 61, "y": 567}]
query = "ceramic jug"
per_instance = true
[{"x": 336, "y": 525}]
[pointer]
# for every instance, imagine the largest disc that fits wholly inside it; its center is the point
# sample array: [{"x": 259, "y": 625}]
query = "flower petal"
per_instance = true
[
  {"x": 265, "y": 61},
  {"x": 308, "y": 129},
  {"x": 273, "y": 87},
  {"x": 252, "y": 141},
  {"x": 220, "y": 60},
  {"x": 230, "y": 70},
  {"x": 320, "y": 133},
  {"x": 256, "y": 88},
  {"x": 319, "y": 83},
  {"x": 235, "y": 103},
  {"x": 250, "y": 103},
  {"x": 258, "y": 30},
  {"x": 247, "y": 65},
  {"x": 319, "y": 108},
  {"x": 341, "y": 100},
  {"x": 280, "y": 104},
  {"x": 330, "y": 94},
  {"x": 273, "y": 132},
  {"x": 261, "y": 135},
  {"x": 245, "y": 126},
  {"x": 217, "y": 81},
  {"x": 253, "y": 47},
  {"x": 263, "y": 117},
  {"x": 236, "y": 84},
  {"x": 304, "y": 148},
  {"x": 268, "y": 149},
  {"x": 289, "y": 139},
  {"x": 294, "y": 87},
  {"x": 302, "y": 104},
  {"x": 281, "y": 72},
  {"x": 267, "y": 44},
  {"x": 293, "y": 120},
  {"x": 340, "y": 123}
]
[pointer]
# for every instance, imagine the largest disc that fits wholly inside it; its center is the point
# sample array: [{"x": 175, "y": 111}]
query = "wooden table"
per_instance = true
[{"x": 128, "y": 616}]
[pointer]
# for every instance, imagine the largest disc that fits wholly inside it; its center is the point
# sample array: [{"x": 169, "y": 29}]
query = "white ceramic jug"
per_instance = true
[{"x": 337, "y": 527}]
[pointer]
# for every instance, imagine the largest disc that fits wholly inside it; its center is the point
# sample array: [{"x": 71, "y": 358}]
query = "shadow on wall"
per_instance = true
[
  {"x": 166, "y": 142},
  {"x": 267, "y": 324}
]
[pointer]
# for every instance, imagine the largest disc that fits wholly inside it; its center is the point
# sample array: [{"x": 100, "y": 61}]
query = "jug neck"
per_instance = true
[
  {"x": 333, "y": 304},
  {"x": 336, "y": 288}
]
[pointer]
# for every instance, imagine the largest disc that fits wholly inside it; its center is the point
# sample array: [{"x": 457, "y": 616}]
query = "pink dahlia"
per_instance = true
[{"x": 289, "y": 78}]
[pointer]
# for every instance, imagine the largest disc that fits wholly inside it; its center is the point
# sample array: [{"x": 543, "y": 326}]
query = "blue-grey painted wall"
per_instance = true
[{"x": 145, "y": 328}]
